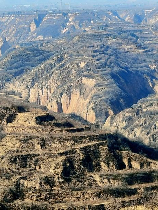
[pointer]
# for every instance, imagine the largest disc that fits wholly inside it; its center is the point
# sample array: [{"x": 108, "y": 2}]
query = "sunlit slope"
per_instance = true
[{"x": 51, "y": 162}]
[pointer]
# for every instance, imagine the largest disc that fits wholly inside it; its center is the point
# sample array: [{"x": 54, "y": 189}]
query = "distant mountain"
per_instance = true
[{"x": 19, "y": 27}]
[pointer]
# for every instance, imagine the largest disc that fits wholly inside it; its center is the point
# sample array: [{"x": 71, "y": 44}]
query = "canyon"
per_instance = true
[{"x": 79, "y": 109}]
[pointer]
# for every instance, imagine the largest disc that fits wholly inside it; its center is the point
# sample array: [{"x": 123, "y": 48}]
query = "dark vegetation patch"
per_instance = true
[
  {"x": 3, "y": 207},
  {"x": 119, "y": 164},
  {"x": 91, "y": 159},
  {"x": 14, "y": 193},
  {"x": 68, "y": 170},
  {"x": 49, "y": 181},
  {"x": 75, "y": 130},
  {"x": 97, "y": 207},
  {"x": 116, "y": 192},
  {"x": 11, "y": 118},
  {"x": 2, "y": 115},
  {"x": 23, "y": 161},
  {"x": 140, "y": 178},
  {"x": 65, "y": 124},
  {"x": 151, "y": 189},
  {"x": 21, "y": 109},
  {"x": 45, "y": 119},
  {"x": 43, "y": 143}
]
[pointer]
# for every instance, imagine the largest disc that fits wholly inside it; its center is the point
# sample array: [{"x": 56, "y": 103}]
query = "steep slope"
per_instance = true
[
  {"x": 140, "y": 121},
  {"x": 4, "y": 46},
  {"x": 93, "y": 75},
  {"x": 48, "y": 162},
  {"x": 21, "y": 60}
]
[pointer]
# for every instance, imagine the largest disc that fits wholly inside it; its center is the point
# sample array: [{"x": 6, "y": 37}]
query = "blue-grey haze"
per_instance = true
[{"x": 6, "y": 3}]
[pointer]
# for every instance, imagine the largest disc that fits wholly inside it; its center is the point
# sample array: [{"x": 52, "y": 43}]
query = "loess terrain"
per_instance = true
[
  {"x": 106, "y": 65},
  {"x": 79, "y": 110},
  {"x": 50, "y": 161}
]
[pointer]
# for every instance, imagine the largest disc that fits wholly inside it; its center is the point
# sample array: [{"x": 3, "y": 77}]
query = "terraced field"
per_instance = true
[{"x": 52, "y": 162}]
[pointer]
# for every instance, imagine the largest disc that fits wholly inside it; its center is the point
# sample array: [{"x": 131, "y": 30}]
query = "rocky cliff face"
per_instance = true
[
  {"x": 49, "y": 161},
  {"x": 140, "y": 121},
  {"x": 93, "y": 75}
]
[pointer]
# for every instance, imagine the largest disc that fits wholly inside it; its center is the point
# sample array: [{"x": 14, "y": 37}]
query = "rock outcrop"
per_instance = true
[
  {"x": 102, "y": 70},
  {"x": 107, "y": 68},
  {"x": 138, "y": 122},
  {"x": 101, "y": 76}
]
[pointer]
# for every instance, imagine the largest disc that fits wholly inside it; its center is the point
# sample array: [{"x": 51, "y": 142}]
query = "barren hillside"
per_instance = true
[{"x": 52, "y": 162}]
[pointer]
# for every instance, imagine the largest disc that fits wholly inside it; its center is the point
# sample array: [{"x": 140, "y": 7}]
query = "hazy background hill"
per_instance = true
[{"x": 19, "y": 27}]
